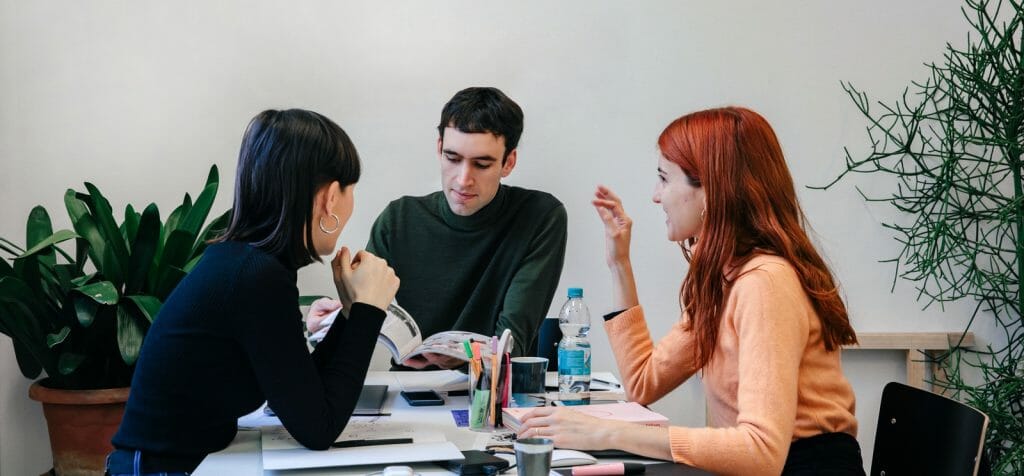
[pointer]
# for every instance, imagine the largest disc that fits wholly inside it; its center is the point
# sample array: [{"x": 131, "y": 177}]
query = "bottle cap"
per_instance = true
[{"x": 575, "y": 292}]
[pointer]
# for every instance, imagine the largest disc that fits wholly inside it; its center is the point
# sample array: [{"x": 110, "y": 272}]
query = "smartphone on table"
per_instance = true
[{"x": 422, "y": 398}]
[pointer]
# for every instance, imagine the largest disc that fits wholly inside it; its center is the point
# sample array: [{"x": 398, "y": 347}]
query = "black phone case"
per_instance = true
[
  {"x": 476, "y": 462},
  {"x": 423, "y": 403}
]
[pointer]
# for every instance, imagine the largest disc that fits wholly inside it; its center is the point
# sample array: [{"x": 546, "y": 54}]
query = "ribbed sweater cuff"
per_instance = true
[
  {"x": 681, "y": 443},
  {"x": 625, "y": 319}
]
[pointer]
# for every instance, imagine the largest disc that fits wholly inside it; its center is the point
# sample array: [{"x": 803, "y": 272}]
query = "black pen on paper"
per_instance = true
[{"x": 384, "y": 441}]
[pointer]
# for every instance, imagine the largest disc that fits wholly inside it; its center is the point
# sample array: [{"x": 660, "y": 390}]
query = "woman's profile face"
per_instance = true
[{"x": 680, "y": 198}]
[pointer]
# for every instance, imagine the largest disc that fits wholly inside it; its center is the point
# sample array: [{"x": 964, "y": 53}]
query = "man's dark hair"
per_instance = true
[
  {"x": 285, "y": 158},
  {"x": 480, "y": 109}
]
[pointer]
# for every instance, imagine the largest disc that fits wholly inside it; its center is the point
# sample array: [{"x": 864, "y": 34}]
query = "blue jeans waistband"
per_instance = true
[{"x": 135, "y": 463}]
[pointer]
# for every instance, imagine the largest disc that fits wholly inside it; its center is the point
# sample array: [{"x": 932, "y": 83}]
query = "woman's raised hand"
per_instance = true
[
  {"x": 617, "y": 225},
  {"x": 366, "y": 279}
]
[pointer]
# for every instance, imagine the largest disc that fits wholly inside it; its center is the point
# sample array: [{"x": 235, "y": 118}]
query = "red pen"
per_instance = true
[{"x": 608, "y": 469}]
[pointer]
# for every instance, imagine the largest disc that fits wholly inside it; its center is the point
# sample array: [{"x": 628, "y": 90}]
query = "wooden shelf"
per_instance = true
[{"x": 921, "y": 349}]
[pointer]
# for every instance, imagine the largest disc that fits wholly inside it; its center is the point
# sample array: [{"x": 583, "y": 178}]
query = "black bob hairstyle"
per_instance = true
[{"x": 285, "y": 158}]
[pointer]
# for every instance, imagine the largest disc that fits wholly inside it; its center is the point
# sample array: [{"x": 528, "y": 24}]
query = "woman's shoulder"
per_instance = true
[
  {"x": 767, "y": 270},
  {"x": 246, "y": 263}
]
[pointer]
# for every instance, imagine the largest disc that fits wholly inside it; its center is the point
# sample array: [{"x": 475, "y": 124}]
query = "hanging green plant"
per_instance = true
[
  {"x": 82, "y": 318},
  {"x": 953, "y": 144}
]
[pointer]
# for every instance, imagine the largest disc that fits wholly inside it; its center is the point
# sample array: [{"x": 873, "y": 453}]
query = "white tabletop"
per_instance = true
[{"x": 243, "y": 456}]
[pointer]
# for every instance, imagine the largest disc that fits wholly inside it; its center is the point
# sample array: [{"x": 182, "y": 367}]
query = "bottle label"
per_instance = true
[{"x": 573, "y": 362}]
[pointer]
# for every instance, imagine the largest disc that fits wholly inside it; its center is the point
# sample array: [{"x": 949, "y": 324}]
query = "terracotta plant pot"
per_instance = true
[{"x": 81, "y": 424}]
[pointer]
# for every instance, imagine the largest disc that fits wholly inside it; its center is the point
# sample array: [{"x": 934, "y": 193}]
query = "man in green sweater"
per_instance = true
[{"x": 477, "y": 255}]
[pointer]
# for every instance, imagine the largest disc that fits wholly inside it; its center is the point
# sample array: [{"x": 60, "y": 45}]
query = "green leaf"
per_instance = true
[
  {"x": 104, "y": 217},
  {"x": 176, "y": 251},
  {"x": 30, "y": 367},
  {"x": 102, "y": 292},
  {"x": 196, "y": 216},
  {"x": 112, "y": 267},
  {"x": 79, "y": 281},
  {"x": 213, "y": 229},
  {"x": 143, "y": 250},
  {"x": 130, "y": 226},
  {"x": 148, "y": 306},
  {"x": 81, "y": 252},
  {"x": 69, "y": 362},
  {"x": 85, "y": 226},
  {"x": 53, "y": 339},
  {"x": 18, "y": 321},
  {"x": 308, "y": 300},
  {"x": 14, "y": 290},
  {"x": 178, "y": 214},
  {"x": 47, "y": 243},
  {"x": 167, "y": 282},
  {"x": 85, "y": 309},
  {"x": 10, "y": 247},
  {"x": 5, "y": 268},
  {"x": 65, "y": 273},
  {"x": 129, "y": 335},
  {"x": 192, "y": 263},
  {"x": 37, "y": 230}
]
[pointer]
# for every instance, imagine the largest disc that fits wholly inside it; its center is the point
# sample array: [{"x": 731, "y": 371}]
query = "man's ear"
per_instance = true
[
  {"x": 510, "y": 163},
  {"x": 440, "y": 144}
]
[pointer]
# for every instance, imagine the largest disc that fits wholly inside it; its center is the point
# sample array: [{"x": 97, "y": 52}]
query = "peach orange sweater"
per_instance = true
[{"x": 770, "y": 381}]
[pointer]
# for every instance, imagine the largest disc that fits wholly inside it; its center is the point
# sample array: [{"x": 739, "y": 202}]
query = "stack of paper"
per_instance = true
[{"x": 629, "y": 411}]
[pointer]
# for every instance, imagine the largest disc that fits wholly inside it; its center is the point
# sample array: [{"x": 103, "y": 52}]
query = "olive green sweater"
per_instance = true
[{"x": 496, "y": 269}]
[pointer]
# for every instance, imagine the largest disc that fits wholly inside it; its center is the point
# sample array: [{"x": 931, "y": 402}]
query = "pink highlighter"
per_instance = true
[{"x": 608, "y": 469}]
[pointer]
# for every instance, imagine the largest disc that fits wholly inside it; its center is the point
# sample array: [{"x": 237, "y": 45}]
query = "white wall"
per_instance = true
[{"x": 141, "y": 98}]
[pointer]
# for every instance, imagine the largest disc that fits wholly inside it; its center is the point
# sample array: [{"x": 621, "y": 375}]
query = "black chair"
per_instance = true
[
  {"x": 547, "y": 342},
  {"x": 920, "y": 432}
]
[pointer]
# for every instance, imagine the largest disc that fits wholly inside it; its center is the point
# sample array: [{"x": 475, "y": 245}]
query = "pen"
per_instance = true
[
  {"x": 609, "y": 469},
  {"x": 384, "y": 441},
  {"x": 606, "y": 382}
]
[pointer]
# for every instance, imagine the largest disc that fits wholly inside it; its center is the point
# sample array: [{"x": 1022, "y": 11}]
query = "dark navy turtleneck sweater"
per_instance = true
[{"x": 230, "y": 337}]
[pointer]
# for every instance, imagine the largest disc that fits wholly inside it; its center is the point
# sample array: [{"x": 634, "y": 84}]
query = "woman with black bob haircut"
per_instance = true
[{"x": 230, "y": 335}]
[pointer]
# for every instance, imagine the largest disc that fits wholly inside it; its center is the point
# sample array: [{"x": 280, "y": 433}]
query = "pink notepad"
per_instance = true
[{"x": 629, "y": 411}]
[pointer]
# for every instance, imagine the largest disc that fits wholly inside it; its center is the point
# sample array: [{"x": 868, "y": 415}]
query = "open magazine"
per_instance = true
[{"x": 403, "y": 338}]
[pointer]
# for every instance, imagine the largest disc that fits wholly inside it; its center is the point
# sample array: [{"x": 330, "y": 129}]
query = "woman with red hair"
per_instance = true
[{"x": 762, "y": 318}]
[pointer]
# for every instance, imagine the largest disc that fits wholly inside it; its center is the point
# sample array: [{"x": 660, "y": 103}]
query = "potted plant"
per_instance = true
[
  {"x": 81, "y": 316},
  {"x": 954, "y": 145}
]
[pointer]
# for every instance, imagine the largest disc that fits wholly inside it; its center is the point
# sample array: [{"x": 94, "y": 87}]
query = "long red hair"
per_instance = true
[{"x": 751, "y": 208}]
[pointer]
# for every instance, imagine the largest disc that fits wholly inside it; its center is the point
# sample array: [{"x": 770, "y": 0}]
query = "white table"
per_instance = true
[{"x": 243, "y": 456}]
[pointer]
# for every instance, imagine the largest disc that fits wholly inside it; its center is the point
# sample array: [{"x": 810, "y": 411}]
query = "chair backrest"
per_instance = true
[
  {"x": 920, "y": 432},
  {"x": 547, "y": 342}
]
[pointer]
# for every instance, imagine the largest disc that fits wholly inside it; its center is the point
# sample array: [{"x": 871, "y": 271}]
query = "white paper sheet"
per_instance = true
[{"x": 281, "y": 451}]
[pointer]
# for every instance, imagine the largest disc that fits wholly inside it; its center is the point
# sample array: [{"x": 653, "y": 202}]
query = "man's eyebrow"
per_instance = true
[{"x": 456, "y": 154}]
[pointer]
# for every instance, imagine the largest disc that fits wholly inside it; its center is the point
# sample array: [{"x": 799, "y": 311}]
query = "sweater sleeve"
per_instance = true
[
  {"x": 649, "y": 371},
  {"x": 533, "y": 285},
  {"x": 314, "y": 396},
  {"x": 772, "y": 334},
  {"x": 378, "y": 242}
]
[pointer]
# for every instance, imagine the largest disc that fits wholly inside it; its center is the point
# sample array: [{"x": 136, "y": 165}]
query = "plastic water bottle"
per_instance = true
[{"x": 574, "y": 350}]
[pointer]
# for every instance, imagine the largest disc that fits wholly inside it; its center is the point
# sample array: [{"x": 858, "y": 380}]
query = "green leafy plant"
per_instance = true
[
  {"x": 82, "y": 318},
  {"x": 953, "y": 144}
]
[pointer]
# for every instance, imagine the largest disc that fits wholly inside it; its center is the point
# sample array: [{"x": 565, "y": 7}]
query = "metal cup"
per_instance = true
[{"x": 533, "y": 456}]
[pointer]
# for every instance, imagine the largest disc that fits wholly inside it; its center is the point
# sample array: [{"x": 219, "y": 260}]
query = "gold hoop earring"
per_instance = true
[{"x": 337, "y": 224}]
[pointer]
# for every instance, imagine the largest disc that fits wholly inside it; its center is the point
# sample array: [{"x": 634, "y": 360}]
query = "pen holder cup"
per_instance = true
[
  {"x": 528, "y": 375},
  {"x": 489, "y": 391}
]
